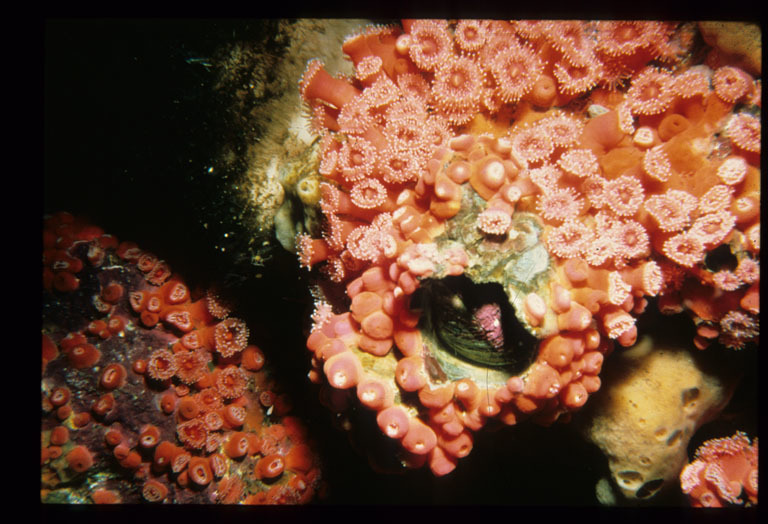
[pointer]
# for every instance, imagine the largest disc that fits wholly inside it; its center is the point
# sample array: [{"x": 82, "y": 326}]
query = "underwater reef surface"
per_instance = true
[
  {"x": 151, "y": 391},
  {"x": 489, "y": 210}
]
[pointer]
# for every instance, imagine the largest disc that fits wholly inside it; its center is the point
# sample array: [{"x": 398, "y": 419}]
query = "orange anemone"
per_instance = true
[
  {"x": 105, "y": 496},
  {"x": 59, "y": 396},
  {"x": 164, "y": 454},
  {"x": 154, "y": 491},
  {"x": 139, "y": 366},
  {"x": 270, "y": 466},
  {"x": 64, "y": 412},
  {"x": 50, "y": 351},
  {"x": 253, "y": 358},
  {"x": 104, "y": 404},
  {"x": 149, "y": 436},
  {"x": 237, "y": 445},
  {"x": 83, "y": 356},
  {"x": 132, "y": 460},
  {"x": 81, "y": 420},
  {"x": 113, "y": 437},
  {"x": 112, "y": 292},
  {"x": 113, "y": 376},
  {"x": 168, "y": 403},
  {"x": 200, "y": 471},
  {"x": 59, "y": 435},
  {"x": 188, "y": 407},
  {"x": 121, "y": 452},
  {"x": 79, "y": 459}
]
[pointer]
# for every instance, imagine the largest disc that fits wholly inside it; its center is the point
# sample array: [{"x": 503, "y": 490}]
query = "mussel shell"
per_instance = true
[{"x": 449, "y": 305}]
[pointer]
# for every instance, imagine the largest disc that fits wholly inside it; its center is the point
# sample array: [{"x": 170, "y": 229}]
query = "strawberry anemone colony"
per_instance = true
[
  {"x": 724, "y": 472},
  {"x": 501, "y": 198},
  {"x": 151, "y": 391}
]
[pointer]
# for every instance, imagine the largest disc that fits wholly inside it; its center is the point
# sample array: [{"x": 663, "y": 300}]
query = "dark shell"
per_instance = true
[{"x": 449, "y": 306}]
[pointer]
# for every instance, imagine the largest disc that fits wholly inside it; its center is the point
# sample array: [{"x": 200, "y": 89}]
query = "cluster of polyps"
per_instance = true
[
  {"x": 529, "y": 118},
  {"x": 723, "y": 473},
  {"x": 161, "y": 388}
]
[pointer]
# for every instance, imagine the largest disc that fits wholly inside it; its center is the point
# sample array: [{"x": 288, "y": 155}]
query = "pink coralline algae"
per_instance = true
[{"x": 540, "y": 178}]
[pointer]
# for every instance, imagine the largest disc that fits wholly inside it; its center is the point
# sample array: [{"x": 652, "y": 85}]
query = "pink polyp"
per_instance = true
[
  {"x": 393, "y": 422},
  {"x": 535, "y": 307},
  {"x": 420, "y": 439},
  {"x": 409, "y": 373},
  {"x": 441, "y": 463},
  {"x": 373, "y": 394},
  {"x": 318, "y": 84},
  {"x": 342, "y": 370}
]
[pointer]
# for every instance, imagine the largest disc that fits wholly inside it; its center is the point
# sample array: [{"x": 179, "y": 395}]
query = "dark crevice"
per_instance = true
[
  {"x": 649, "y": 489},
  {"x": 452, "y": 307},
  {"x": 721, "y": 258}
]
